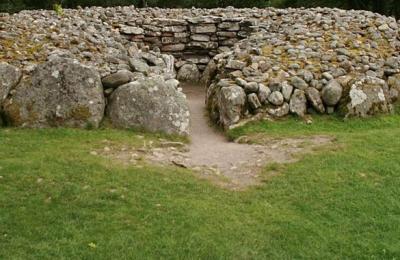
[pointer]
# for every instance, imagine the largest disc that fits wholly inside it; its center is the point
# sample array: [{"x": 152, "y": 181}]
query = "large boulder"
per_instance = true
[
  {"x": 332, "y": 93},
  {"x": 189, "y": 72},
  {"x": 231, "y": 103},
  {"x": 366, "y": 96},
  {"x": 60, "y": 92},
  {"x": 314, "y": 98},
  {"x": 9, "y": 78},
  {"x": 149, "y": 104},
  {"x": 209, "y": 73},
  {"x": 212, "y": 103},
  {"x": 298, "y": 103},
  {"x": 394, "y": 88}
]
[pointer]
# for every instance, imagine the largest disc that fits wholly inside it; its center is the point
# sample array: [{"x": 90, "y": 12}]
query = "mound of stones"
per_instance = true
[
  {"x": 256, "y": 63},
  {"x": 62, "y": 92},
  {"x": 61, "y": 71},
  {"x": 312, "y": 61}
]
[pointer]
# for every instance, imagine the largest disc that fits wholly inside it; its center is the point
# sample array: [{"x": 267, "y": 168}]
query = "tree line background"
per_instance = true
[{"x": 388, "y": 7}]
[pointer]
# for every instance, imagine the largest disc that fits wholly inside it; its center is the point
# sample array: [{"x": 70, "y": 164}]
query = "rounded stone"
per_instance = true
[
  {"x": 276, "y": 98},
  {"x": 189, "y": 73},
  {"x": 117, "y": 79},
  {"x": 332, "y": 93}
]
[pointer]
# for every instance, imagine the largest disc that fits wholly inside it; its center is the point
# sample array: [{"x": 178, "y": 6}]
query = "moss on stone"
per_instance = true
[
  {"x": 80, "y": 113},
  {"x": 13, "y": 114}
]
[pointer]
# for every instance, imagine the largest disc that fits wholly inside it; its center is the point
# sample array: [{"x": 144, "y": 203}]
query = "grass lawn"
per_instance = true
[{"x": 57, "y": 201}]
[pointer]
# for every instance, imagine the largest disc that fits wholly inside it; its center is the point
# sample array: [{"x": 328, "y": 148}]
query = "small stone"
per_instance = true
[
  {"x": 173, "y": 47},
  {"x": 263, "y": 93},
  {"x": 117, "y": 79},
  {"x": 275, "y": 84},
  {"x": 251, "y": 87},
  {"x": 299, "y": 83},
  {"x": 241, "y": 82},
  {"x": 343, "y": 51},
  {"x": 253, "y": 100},
  {"x": 287, "y": 90},
  {"x": 279, "y": 111},
  {"x": 276, "y": 98},
  {"x": 327, "y": 76},
  {"x": 139, "y": 65},
  {"x": 383, "y": 27},
  {"x": 131, "y": 30},
  {"x": 235, "y": 65},
  {"x": 307, "y": 75},
  {"x": 330, "y": 110}
]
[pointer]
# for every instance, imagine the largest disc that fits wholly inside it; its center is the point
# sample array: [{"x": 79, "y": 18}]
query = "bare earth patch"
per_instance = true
[{"x": 230, "y": 165}]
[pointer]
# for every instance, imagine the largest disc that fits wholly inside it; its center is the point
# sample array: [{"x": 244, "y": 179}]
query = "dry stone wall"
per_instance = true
[{"x": 192, "y": 39}]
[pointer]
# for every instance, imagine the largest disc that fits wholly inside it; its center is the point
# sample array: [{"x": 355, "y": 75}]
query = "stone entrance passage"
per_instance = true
[{"x": 192, "y": 40}]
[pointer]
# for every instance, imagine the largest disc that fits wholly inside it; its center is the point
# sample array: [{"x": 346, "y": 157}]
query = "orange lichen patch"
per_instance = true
[
  {"x": 80, "y": 113},
  {"x": 22, "y": 48},
  {"x": 267, "y": 50}
]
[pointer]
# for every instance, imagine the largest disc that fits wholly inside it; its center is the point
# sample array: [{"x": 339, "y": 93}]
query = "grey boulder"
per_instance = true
[
  {"x": 9, "y": 78},
  {"x": 276, "y": 98},
  {"x": 231, "y": 103},
  {"x": 279, "y": 111},
  {"x": 253, "y": 101},
  {"x": 332, "y": 93},
  {"x": 139, "y": 65},
  {"x": 287, "y": 90},
  {"x": 149, "y": 104},
  {"x": 189, "y": 72},
  {"x": 298, "y": 103},
  {"x": 209, "y": 73},
  {"x": 367, "y": 96},
  {"x": 314, "y": 98},
  {"x": 299, "y": 83},
  {"x": 263, "y": 93},
  {"x": 60, "y": 92}
]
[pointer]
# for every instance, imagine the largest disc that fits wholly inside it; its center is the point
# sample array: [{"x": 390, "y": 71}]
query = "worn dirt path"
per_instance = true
[
  {"x": 240, "y": 163},
  {"x": 210, "y": 148},
  {"x": 227, "y": 164}
]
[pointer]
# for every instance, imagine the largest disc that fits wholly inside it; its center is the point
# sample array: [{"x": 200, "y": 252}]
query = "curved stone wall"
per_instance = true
[
  {"x": 191, "y": 39},
  {"x": 256, "y": 63}
]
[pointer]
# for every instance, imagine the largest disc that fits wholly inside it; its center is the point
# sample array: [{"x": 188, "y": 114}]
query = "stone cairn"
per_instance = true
[{"x": 256, "y": 63}]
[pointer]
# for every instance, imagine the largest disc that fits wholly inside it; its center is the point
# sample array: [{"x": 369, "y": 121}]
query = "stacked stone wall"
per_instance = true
[{"x": 191, "y": 39}]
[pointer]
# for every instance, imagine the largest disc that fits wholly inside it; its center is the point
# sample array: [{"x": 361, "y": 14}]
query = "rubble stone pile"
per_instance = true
[
  {"x": 310, "y": 61},
  {"x": 73, "y": 69}
]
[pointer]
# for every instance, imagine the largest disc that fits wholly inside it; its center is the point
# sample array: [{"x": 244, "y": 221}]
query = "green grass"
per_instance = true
[{"x": 57, "y": 201}]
